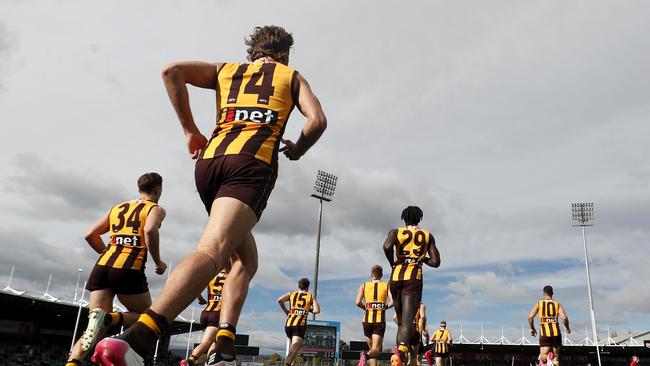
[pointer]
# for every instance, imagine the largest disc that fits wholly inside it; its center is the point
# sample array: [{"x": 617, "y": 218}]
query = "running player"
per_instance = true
[
  {"x": 550, "y": 337},
  {"x": 420, "y": 330},
  {"x": 235, "y": 174},
  {"x": 374, "y": 298},
  {"x": 301, "y": 302},
  {"x": 209, "y": 317},
  {"x": 442, "y": 340},
  {"x": 406, "y": 249},
  {"x": 133, "y": 227}
]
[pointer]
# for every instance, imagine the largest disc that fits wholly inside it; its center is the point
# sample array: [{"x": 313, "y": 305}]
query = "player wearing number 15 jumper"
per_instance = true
[
  {"x": 406, "y": 249},
  {"x": 133, "y": 227},
  {"x": 301, "y": 302},
  {"x": 235, "y": 174}
]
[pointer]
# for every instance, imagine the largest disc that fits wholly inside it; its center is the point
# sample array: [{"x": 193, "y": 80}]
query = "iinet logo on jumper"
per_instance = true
[{"x": 248, "y": 114}]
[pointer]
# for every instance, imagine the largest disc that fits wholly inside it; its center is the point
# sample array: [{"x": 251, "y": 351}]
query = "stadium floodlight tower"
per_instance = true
[
  {"x": 324, "y": 188},
  {"x": 583, "y": 214}
]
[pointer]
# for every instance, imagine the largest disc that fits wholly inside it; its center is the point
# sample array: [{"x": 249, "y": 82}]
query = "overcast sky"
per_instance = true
[{"x": 491, "y": 116}]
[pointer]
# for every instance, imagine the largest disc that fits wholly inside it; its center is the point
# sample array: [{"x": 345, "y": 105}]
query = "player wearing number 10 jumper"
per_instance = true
[{"x": 235, "y": 174}]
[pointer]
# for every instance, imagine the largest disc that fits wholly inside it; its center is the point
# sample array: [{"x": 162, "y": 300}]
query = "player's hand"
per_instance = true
[
  {"x": 568, "y": 331},
  {"x": 533, "y": 332},
  {"x": 161, "y": 267},
  {"x": 289, "y": 150},
  {"x": 196, "y": 142},
  {"x": 202, "y": 301}
]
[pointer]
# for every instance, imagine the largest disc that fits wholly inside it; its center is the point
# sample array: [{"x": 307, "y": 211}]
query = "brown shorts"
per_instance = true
[
  {"x": 555, "y": 341},
  {"x": 407, "y": 288},
  {"x": 374, "y": 328},
  {"x": 120, "y": 281},
  {"x": 295, "y": 331},
  {"x": 243, "y": 177},
  {"x": 441, "y": 355},
  {"x": 210, "y": 318}
]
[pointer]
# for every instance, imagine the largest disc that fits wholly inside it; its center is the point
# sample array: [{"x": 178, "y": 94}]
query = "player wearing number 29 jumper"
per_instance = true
[
  {"x": 406, "y": 249},
  {"x": 133, "y": 227},
  {"x": 301, "y": 302},
  {"x": 235, "y": 174}
]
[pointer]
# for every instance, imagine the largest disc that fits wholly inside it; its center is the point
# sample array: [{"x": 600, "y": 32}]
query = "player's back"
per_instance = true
[
  {"x": 548, "y": 312},
  {"x": 254, "y": 101},
  {"x": 412, "y": 248},
  {"x": 127, "y": 247},
  {"x": 375, "y": 294},
  {"x": 441, "y": 339},
  {"x": 301, "y": 303}
]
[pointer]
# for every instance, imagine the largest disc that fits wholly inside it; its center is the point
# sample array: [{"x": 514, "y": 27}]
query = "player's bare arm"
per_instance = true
[
  {"x": 202, "y": 300},
  {"x": 389, "y": 243},
  {"x": 531, "y": 319},
  {"x": 152, "y": 236},
  {"x": 359, "y": 300},
  {"x": 310, "y": 107},
  {"x": 176, "y": 77},
  {"x": 94, "y": 235},
  {"x": 565, "y": 319},
  {"x": 282, "y": 301},
  {"x": 433, "y": 259},
  {"x": 316, "y": 306},
  {"x": 390, "y": 302}
]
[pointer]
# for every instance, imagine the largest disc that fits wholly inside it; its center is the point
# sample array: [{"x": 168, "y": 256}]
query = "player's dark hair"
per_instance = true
[
  {"x": 148, "y": 182},
  {"x": 303, "y": 284},
  {"x": 376, "y": 271},
  {"x": 548, "y": 290},
  {"x": 412, "y": 215},
  {"x": 271, "y": 41}
]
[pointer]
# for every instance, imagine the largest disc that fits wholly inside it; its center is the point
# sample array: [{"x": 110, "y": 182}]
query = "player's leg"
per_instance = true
[
  {"x": 410, "y": 304},
  {"x": 229, "y": 224},
  {"x": 207, "y": 341},
  {"x": 396, "y": 292},
  {"x": 375, "y": 349},
  {"x": 234, "y": 294},
  {"x": 543, "y": 354},
  {"x": 556, "y": 355},
  {"x": 415, "y": 355},
  {"x": 99, "y": 299},
  {"x": 136, "y": 304},
  {"x": 296, "y": 345},
  {"x": 439, "y": 361}
]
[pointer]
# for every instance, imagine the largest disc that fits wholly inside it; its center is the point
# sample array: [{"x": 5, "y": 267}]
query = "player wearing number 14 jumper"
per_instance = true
[
  {"x": 406, "y": 249},
  {"x": 235, "y": 174},
  {"x": 133, "y": 227}
]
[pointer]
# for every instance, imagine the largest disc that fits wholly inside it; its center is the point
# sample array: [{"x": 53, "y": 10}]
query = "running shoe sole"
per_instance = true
[{"x": 95, "y": 324}]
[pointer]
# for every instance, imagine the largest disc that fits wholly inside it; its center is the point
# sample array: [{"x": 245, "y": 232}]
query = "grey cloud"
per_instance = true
[{"x": 64, "y": 194}]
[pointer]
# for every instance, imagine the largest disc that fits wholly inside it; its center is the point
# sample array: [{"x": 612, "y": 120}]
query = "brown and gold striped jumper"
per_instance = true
[
  {"x": 254, "y": 102},
  {"x": 127, "y": 247},
  {"x": 412, "y": 248},
  {"x": 375, "y": 294},
  {"x": 300, "y": 304}
]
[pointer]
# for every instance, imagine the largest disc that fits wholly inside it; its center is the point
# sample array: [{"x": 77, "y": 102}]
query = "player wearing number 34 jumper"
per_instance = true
[{"x": 133, "y": 226}]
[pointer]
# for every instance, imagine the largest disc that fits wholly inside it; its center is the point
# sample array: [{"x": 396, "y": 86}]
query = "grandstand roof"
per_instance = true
[{"x": 54, "y": 314}]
